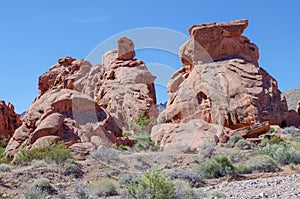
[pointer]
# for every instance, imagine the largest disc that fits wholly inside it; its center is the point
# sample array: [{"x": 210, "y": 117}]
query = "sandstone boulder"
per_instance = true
[
  {"x": 9, "y": 120},
  {"x": 212, "y": 42},
  {"x": 125, "y": 49},
  {"x": 193, "y": 134},
  {"x": 65, "y": 115}
]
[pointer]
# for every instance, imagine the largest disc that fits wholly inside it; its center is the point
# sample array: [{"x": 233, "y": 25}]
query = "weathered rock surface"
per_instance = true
[
  {"x": 9, "y": 120},
  {"x": 63, "y": 74},
  {"x": 232, "y": 93},
  {"x": 125, "y": 49},
  {"x": 212, "y": 42},
  {"x": 221, "y": 83},
  {"x": 65, "y": 115},
  {"x": 191, "y": 134},
  {"x": 125, "y": 88}
]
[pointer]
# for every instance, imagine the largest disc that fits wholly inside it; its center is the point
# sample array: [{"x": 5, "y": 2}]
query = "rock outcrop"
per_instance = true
[
  {"x": 85, "y": 106},
  {"x": 221, "y": 83},
  {"x": 192, "y": 134},
  {"x": 64, "y": 115},
  {"x": 213, "y": 42},
  {"x": 233, "y": 93},
  {"x": 123, "y": 86},
  {"x": 9, "y": 120}
]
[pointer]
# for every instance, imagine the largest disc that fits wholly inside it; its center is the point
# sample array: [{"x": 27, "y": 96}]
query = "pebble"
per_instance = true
[{"x": 273, "y": 187}]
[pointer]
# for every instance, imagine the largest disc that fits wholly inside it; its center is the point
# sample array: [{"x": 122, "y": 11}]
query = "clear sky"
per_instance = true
[{"x": 34, "y": 34}]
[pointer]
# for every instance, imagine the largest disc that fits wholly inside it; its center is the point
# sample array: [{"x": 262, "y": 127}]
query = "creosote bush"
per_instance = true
[
  {"x": 260, "y": 163},
  {"x": 232, "y": 141},
  {"x": 283, "y": 153},
  {"x": 154, "y": 185},
  {"x": 57, "y": 153},
  {"x": 218, "y": 167},
  {"x": 107, "y": 155},
  {"x": 105, "y": 187},
  {"x": 195, "y": 180}
]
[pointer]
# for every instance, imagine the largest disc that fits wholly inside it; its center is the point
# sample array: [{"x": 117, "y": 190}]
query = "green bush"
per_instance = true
[
  {"x": 241, "y": 168},
  {"x": 243, "y": 144},
  {"x": 3, "y": 159},
  {"x": 74, "y": 170},
  {"x": 40, "y": 189},
  {"x": 107, "y": 155},
  {"x": 123, "y": 148},
  {"x": 105, "y": 187},
  {"x": 232, "y": 141},
  {"x": 58, "y": 153},
  {"x": 206, "y": 150},
  {"x": 261, "y": 163},
  {"x": 218, "y": 167},
  {"x": 283, "y": 153},
  {"x": 154, "y": 185},
  {"x": 195, "y": 180},
  {"x": 183, "y": 190},
  {"x": 144, "y": 142}
]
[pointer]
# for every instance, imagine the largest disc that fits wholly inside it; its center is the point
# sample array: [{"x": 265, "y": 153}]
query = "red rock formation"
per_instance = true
[
  {"x": 125, "y": 88},
  {"x": 211, "y": 42},
  {"x": 9, "y": 120},
  {"x": 125, "y": 49},
  {"x": 220, "y": 82}
]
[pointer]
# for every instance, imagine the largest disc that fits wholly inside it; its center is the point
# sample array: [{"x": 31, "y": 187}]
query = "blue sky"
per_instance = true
[{"x": 34, "y": 34}]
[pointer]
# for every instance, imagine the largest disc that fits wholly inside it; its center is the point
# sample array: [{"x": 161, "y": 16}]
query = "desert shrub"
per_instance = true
[
  {"x": 107, "y": 155},
  {"x": 3, "y": 159},
  {"x": 74, "y": 170},
  {"x": 186, "y": 149},
  {"x": 128, "y": 178},
  {"x": 293, "y": 131},
  {"x": 241, "y": 168},
  {"x": 4, "y": 167},
  {"x": 243, "y": 144},
  {"x": 81, "y": 191},
  {"x": 218, "y": 167},
  {"x": 297, "y": 138},
  {"x": 38, "y": 163},
  {"x": 144, "y": 142},
  {"x": 57, "y": 153},
  {"x": 272, "y": 130},
  {"x": 206, "y": 150},
  {"x": 261, "y": 163},
  {"x": 35, "y": 193},
  {"x": 123, "y": 148},
  {"x": 154, "y": 185},
  {"x": 4, "y": 142},
  {"x": 40, "y": 188},
  {"x": 183, "y": 190},
  {"x": 283, "y": 153},
  {"x": 232, "y": 141},
  {"x": 105, "y": 187},
  {"x": 275, "y": 139},
  {"x": 195, "y": 180}
]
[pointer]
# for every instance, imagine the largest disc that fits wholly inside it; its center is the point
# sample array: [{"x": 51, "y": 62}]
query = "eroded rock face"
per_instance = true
[
  {"x": 9, "y": 120},
  {"x": 212, "y": 42},
  {"x": 232, "y": 93},
  {"x": 191, "y": 134},
  {"x": 63, "y": 74},
  {"x": 65, "y": 115},
  {"x": 221, "y": 83},
  {"x": 124, "y": 87},
  {"x": 126, "y": 90}
]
